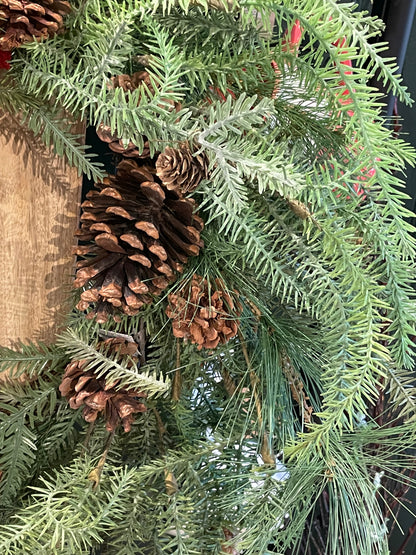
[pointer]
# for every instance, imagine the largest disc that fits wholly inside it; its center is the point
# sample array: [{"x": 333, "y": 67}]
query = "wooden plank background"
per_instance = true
[{"x": 39, "y": 207}]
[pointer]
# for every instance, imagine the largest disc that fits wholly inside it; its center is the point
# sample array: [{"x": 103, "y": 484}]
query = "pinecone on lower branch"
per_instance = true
[
  {"x": 24, "y": 21},
  {"x": 97, "y": 396},
  {"x": 143, "y": 235},
  {"x": 203, "y": 314}
]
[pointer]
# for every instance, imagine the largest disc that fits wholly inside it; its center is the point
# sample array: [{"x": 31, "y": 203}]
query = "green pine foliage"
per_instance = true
[{"x": 308, "y": 413}]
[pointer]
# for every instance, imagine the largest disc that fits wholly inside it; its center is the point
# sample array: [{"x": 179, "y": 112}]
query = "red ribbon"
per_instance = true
[{"x": 5, "y": 57}]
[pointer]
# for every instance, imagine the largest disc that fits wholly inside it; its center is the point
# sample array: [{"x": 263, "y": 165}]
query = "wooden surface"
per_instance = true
[{"x": 39, "y": 205}]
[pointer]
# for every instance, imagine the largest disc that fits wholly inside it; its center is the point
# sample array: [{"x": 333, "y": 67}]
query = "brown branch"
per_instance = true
[
  {"x": 88, "y": 436},
  {"x": 407, "y": 539},
  {"x": 296, "y": 388},
  {"x": 397, "y": 496},
  {"x": 177, "y": 377},
  {"x": 142, "y": 343},
  {"x": 161, "y": 429},
  {"x": 95, "y": 475},
  {"x": 228, "y": 382},
  {"x": 171, "y": 484}
]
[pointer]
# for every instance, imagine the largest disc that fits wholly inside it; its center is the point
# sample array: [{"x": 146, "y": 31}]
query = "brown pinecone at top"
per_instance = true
[
  {"x": 180, "y": 170},
  {"x": 24, "y": 21},
  {"x": 203, "y": 314},
  {"x": 97, "y": 396},
  {"x": 143, "y": 235}
]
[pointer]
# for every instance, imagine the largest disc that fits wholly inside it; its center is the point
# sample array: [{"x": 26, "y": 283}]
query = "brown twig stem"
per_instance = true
[
  {"x": 296, "y": 388},
  {"x": 177, "y": 377},
  {"x": 88, "y": 436},
  {"x": 407, "y": 539},
  {"x": 95, "y": 475}
]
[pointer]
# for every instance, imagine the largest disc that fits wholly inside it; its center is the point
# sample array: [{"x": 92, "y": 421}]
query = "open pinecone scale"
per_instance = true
[
  {"x": 143, "y": 234},
  {"x": 23, "y": 21},
  {"x": 203, "y": 314}
]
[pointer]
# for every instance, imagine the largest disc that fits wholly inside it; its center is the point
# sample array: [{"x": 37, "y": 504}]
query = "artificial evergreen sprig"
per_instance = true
[{"x": 20, "y": 408}]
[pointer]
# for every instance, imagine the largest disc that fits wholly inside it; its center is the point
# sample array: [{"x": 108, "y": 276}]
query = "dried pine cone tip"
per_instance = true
[
  {"x": 203, "y": 315},
  {"x": 23, "y": 21},
  {"x": 99, "y": 396},
  {"x": 131, "y": 82},
  {"x": 180, "y": 170},
  {"x": 142, "y": 235},
  {"x": 129, "y": 150}
]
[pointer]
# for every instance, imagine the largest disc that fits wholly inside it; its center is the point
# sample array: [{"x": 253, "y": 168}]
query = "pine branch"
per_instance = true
[
  {"x": 31, "y": 359},
  {"x": 65, "y": 515},
  {"x": 18, "y": 449},
  {"x": 57, "y": 436},
  {"x": 71, "y": 86},
  {"x": 359, "y": 29},
  {"x": 18, "y": 421},
  {"x": 199, "y": 28},
  {"x": 394, "y": 269},
  {"x": 46, "y": 123},
  {"x": 237, "y": 158},
  {"x": 400, "y": 387}
]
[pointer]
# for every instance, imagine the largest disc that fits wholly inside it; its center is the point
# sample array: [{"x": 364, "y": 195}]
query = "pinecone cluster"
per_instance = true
[
  {"x": 180, "y": 170},
  {"x": 203, "y": 314},
  {"x": 23, "y": 21},
  {"x": 143, "y": 234},
  {"x": 97, "y": 396}
]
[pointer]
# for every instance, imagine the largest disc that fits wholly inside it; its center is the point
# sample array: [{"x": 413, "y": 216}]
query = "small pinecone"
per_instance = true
[
  {"x": 179, "y": 170},
  {"x": 24, "y": 21},
  {"x": 143, "y": 235},
  {"x": 128, "y": 83},
  {"x": 116, "y": 144},
  {"x": 84, "y": 388},
  {"x": 202, "y": 314},
  {"x": 131, "y": 82},
  {"x": 228, "y": 535}
]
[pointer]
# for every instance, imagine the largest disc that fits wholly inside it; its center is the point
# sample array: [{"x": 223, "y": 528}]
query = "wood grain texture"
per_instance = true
[{"x": 39, "y": 207}]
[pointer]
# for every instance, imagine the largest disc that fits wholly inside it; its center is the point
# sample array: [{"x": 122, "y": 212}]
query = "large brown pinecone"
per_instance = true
[
  {"x": 203, "y": 314},
  {"x": 97, "y": 396},
  {"x": 181, "y": 171},
  {"x": 24, "y": 21},
  {"x": 143, "y": 235}
]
